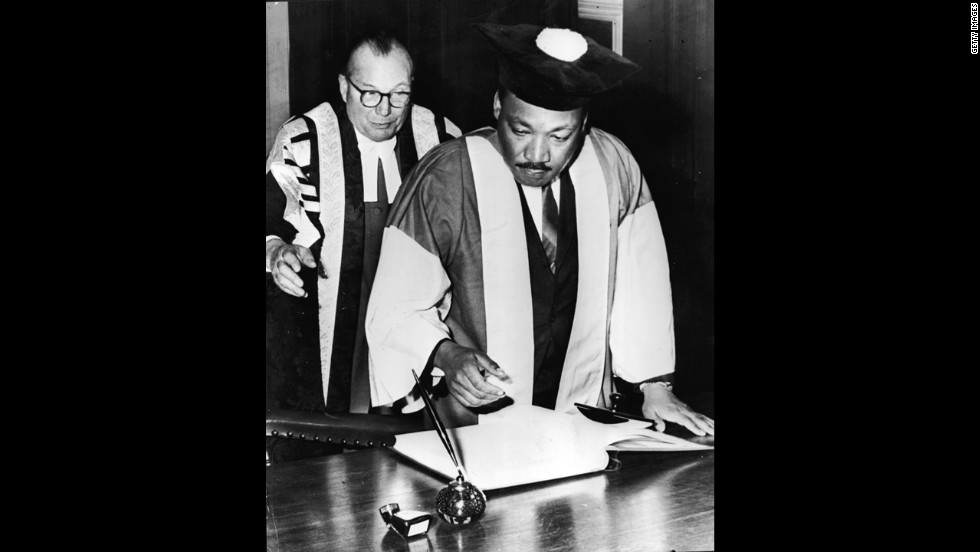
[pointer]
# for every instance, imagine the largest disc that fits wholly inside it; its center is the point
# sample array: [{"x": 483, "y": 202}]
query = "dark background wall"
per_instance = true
[
  {"x": 455, "y": 69},
  {"x": 664, "y": 113}
]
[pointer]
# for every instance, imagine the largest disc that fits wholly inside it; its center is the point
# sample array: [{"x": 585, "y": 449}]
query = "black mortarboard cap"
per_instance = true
[{"x": 557, "y": 69}]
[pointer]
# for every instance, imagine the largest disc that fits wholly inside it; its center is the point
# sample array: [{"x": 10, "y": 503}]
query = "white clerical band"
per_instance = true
[
  {"x": 664, "y": 384},
  {"x": 370, "y": 153}
]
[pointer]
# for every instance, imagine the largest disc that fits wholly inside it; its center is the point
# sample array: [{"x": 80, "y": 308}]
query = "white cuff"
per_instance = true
[
  {"x": 666, "y": 385},
  {"x": 267, "y": 238}
]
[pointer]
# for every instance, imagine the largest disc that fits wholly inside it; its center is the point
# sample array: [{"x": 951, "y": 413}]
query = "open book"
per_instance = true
[{"x": 526, "y": 444}]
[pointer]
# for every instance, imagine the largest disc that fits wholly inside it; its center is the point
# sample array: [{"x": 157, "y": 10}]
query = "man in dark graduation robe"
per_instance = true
[
  {"x": 330, "y": 177},
  {"x": 526, "y": 264}
]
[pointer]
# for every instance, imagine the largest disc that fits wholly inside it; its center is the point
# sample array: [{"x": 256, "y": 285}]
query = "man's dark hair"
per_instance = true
[
  {"x": 381, "y": 43},
  {"x": 502, "y": 91}
]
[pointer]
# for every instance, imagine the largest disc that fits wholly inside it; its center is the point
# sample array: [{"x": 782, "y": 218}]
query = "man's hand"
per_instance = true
[
  {"x": 285, "y": 261},
  {"x": 660, "y": 404},
  {"x": 465, "y": 369}
]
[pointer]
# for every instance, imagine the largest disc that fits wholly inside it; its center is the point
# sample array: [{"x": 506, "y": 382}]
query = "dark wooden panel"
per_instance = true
[
  {"x": 455, "y": 69},
  {"x": 458, "y": 69},
  {"x": 317, "y": 44},
  {"x": 665, "y": 114},
  {"x": 600, "y": 31}
]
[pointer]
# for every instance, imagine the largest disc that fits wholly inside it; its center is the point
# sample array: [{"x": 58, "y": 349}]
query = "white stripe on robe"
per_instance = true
[
  {"x": 507, "y": 288},
  {"x": 581, "y": 379},
  {"x": 332, "y": 197}
]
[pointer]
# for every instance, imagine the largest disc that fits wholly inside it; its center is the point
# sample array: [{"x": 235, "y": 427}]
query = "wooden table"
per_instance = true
[{"x": 655, "y": 501}]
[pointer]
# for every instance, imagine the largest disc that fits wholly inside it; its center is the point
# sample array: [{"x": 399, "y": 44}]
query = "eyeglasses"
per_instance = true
[{"x": 371, "y": 98}]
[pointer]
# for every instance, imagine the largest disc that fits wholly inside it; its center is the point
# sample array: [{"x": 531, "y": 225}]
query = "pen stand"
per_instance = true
[{"x": 460, "y": 502}]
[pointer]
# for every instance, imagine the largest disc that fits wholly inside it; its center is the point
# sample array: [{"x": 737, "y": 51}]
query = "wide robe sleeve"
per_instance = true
[
  {"x": 641, "y": 326},
  {"x": 286, "y": 210},
  {"x": 411, "y": 293}
]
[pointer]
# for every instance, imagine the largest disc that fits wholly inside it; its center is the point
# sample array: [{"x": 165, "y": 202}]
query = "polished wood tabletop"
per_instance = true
[{"x": 654, "y": 501}]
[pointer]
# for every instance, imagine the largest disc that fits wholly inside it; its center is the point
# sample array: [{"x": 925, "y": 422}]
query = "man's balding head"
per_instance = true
[
  {"x": 377, "y": 63},
  {"x": 378, "y": 44}
]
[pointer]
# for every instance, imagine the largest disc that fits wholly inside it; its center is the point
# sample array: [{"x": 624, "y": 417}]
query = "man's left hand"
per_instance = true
[{"x": 660, "y": 404}]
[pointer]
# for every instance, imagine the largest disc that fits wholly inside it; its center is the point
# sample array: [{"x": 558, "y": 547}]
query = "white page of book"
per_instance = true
[{"x": 526, "y": 444}]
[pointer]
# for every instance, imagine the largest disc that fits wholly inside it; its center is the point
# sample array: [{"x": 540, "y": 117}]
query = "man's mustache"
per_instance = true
[{"x": 533, "y": 166}]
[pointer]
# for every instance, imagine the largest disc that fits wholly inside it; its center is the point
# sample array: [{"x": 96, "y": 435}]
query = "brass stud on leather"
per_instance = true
[
  {"x": 302, "y": 436},
  {"x": 275, "y": 433},
  {"x": 343, "y": 441},
  {"x": 617, "y": 400},
  {"x": 370, "y": 443},
  {"x": 357, "y": 442},
  {"x": 316, "y": 437},
  {"x": 289, "y": 434},
  {"x": 329, "y": 440}
]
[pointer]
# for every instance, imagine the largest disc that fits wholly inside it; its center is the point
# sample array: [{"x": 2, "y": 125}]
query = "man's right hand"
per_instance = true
[
  {"x": 465, "y": 369},
  {"x": 285, "y": 261}
]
